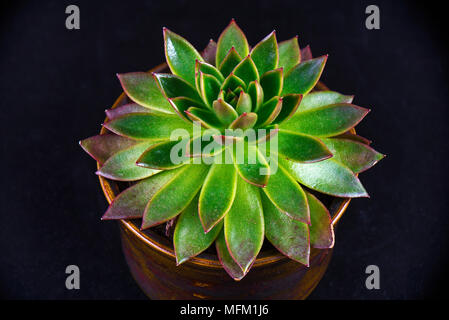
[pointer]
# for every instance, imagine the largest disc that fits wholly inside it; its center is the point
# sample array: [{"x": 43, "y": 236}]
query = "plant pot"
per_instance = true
[{"x": 152, "y": 262}]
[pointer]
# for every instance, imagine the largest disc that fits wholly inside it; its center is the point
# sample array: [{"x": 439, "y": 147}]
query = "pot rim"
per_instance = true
[{"x": 149, "y": 237}]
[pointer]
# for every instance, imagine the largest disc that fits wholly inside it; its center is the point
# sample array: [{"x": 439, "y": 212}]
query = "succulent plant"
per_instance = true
[{"x": 234, "y": 204}]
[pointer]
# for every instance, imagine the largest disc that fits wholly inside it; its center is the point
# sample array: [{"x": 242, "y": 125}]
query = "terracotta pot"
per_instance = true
[{"x": 151, "y": 260}]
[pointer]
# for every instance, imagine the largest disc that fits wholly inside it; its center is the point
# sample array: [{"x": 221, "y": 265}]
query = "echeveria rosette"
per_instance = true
[{"x": 233, "y": 86}]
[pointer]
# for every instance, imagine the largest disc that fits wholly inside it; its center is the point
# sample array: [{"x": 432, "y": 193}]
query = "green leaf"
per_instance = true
[
  {"x": 244, "y": 103},
  {"x": 118, "y": 112},
  {"x": 208, "y": 69},
  {"x": 232, "y": 36},
  {"x": 289, "y": 236},
  {"x": 210, "y": 52},
  {"x": 265, "y": 54},
  {"x": 205, "y": 117},
  {"x": 251, "y": 164},
  {"x": 327, "y": 176},
  {"x": 147, "y": 126},
  {"x": 257, "y": 96},
  {"x": 231, "y": 83},
  {"x": 122, "y": 165},
  {"x": 181, "y": 104},
  {"x": 181, "y": 56},
  {"x": 173, "y": 86},
  {"x": 189, "y": 238},
  {"x": 321, "y": 230},
  {"x": 318, "y": 99},
  {"x": 244, "y": 121},
  {"x": 209, "y": 88},
  {"x": 303, "y": 77},
  {"x": 131, "y": 203},
  {"x": 269, "y": 111},
  {"x": 290, "y": 104},
  {"x": 326, "y": 121},
  {"x": 244, "y": 225},
  {"x": 353, "y": 137},
  {"x": 289, "y": 54},
  {"x": 217, "y": 194},
  {"x": 287, "y": 195},
  {"x": 231, "y": 60},
  {"x": 271, "y": 83},
  {"x": 301, "y": 147},
  {"x": 143, "y": 89},
  {"x": 224, "y": 111},
  {"x": 226, "y": 260},
  {"x": 355, "y": 155},
  {"x": 159, "y": 156},
  {"x": 103, "y": 146},
  {"x": 204, "y": 145},
  {"x": 175, "y": 196},
  {"x": 246, "y": 70}
]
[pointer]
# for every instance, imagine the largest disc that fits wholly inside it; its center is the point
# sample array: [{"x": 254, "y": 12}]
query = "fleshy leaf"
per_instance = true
[
  {"x": 271, "y": 83},
  {"x": 301, "y": 147},
  {"x": 173, "y": 86},
  {"x": 147, "y": 126},
  {"x": 203, "y": 146},
  {"x": 224, "y": 111},
  {"x": 353, "y": 137},
  {"x": 103, "y": 146},
  {"x": 269, "y": 111},
  {"x": 289, "y": 236},
  {"x": 244, "y": 225},
  {"x": 265, "y": 54},
  {"x": 306, "y": 53},
  {"x": 181, "y": 56},
  {"x": 230, "y": 266},
  {"x": 131, "y": 203},
  {"x": 326, "y": 121},
  {"x": 289, "y": 54},
  {"x": 189, "y": 238},
  {"x": 251, "y": 164},
  {"x": 321, "y": 230},
  {"x": 231, "y": 83},
  {"x": 244, "y": 103},
  {"x": 159, "y": 156},
  {"x": 327, "y": 176},
  {"x": 318, "y": 99},
  {"x": 205, "y": 117},
  {"x": 232, "y": 36},
  {"x": 181, "y": 104},
  {"x": 209, "y": 88},
  {"x": 246, "y": 70},
  {"x": 290, "y": 104},
  {"x": 303, "y": 77},
  {"x": 217, "y": 194},
  {"x": 175, "y": 196},
  {"x": 209, "y": 52},
  {"x": 122, "y": 165},
  {"x": 257, "y": 96},
  {"x": 208, "y": 69},
  {"x": 355, "y": 155},
  {"x": 231, "y": 60},
  {"x": 244, "y": 121},
  {"x": 126, "y": 109},
  {"x": 287, "y": 195},
  {"x": 142, "y": 88}
]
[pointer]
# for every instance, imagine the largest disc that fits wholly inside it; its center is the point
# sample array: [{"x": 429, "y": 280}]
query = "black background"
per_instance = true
[{"x": 55, "y": 84}]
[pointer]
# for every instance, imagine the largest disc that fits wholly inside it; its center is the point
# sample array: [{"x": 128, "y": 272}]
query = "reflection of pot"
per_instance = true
[{"x": 152, "y": 262}]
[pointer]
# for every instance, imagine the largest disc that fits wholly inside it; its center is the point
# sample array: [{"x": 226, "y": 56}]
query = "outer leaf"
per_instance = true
[
  {"x": 303, "y": 77},
  {"x": 301, "y": 147},
  {"x": 209, "y": 88},
  {"x": 230, "y": 61},
  {"x": 287, "y": 195},
  {"x": 265, "y": 54},
  {"x": 244, "y": 225},
  {"x": 232, "y": 36},
  {"x": 131, "y": 203},
  {"x": 289, "y": 54},
  {"x": 126, "y": 109},
  {"x": 181, "y": 104},
  {"x": 321, "y": 230},
  {"x": 181, "y": 56},
  {"x": 142, "y": 89},
  {"x": 189, "y": 238},
  {"x": 210, "y": 52},
  {"x": 326, "y": 121},
  {"x": 289, "y": 236},
  {"x": 205, "y": 117},
  {"x": 230, "y": 266},
  {"x": 318, "y": 99},
  {"x": 355, "y": 155},
  {"x": 306, "y": 53},
  {"x": 159, "y": 156},
  {"x": 244, "y": 121},
  {"x": 328, "y": 176},
  {"x": 217, "y": 194},
  {"x": 146, "y": 126},
  {"x": 290, "y": 104},
  {"x": 251, "y": 164},
  {"x": 224, "y": 111},
  {"x": 244, "y": 103},
  {"x": 102, "y": 147},
  {"x": 246, "y": 70},
  {"x": 173, "y": 86},
  {"x": 122, "y": 165},
  {"x": 353, "y": 137},
  {"x": 271, "y": 83},
  {"x": 257, "y": 96},
  {"x": 269, "y": 111},
  {"x": 175, "y": 196}
]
